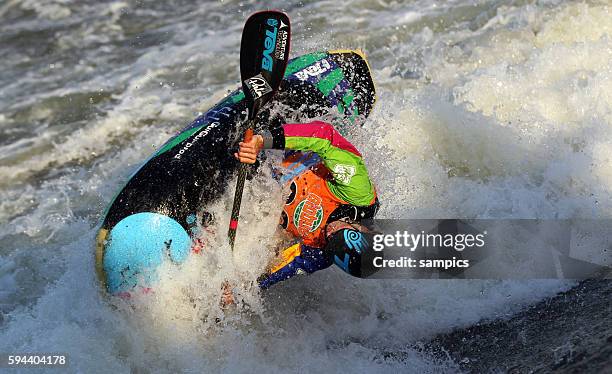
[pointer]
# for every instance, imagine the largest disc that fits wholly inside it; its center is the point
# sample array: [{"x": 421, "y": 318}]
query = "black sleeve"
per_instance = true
[{"x": 274, "y": 138}]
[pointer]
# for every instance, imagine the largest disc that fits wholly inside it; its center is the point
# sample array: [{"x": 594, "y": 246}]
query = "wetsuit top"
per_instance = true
[{"x": 340, "y": 180}]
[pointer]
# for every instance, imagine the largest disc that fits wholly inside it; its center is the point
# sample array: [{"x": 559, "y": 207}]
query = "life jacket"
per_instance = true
[{"x": 310, "y": 205}]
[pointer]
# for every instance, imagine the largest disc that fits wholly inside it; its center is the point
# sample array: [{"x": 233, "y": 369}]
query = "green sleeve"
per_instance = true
[{"x": 350, "y": 181}]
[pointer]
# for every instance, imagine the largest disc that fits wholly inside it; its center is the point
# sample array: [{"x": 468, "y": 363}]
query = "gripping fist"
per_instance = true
[{"x": 248, "y": 151}]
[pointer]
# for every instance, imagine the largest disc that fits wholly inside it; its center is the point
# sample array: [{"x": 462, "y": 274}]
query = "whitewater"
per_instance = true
[{"x": 485, "y": 109}]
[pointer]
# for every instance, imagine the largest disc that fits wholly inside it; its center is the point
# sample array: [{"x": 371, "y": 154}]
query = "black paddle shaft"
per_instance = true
[
  {"x": 264, "y": 53},
  {"x": 242, "y": 172}
]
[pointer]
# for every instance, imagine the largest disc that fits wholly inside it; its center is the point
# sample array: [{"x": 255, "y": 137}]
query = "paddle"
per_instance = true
[{"x": 264, "y": 52}]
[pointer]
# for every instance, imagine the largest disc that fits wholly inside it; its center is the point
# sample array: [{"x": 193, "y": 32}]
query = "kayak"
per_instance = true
[{"x": 158, "y": 214}]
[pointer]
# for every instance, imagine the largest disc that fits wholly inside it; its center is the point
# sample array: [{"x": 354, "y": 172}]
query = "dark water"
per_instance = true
[{"x": 569, "y": 333}]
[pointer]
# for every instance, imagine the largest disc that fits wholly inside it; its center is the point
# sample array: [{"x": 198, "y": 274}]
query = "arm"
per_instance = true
[{"x": 350, "y": 183}]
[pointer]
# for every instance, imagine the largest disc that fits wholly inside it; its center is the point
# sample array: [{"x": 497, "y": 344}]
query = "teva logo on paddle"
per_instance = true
[
  {"x": 195, "y": 139},
  {"x": 308, "y": 214},
  {"x": 258, "y": 86},
  {"x": 269, "y": 45},
  {"x": 313, "y": 70},
  {"x": 276, "y": 41}
]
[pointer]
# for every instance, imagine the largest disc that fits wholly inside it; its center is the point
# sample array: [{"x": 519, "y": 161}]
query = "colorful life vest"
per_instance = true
[{"x": 309, "y": 206}]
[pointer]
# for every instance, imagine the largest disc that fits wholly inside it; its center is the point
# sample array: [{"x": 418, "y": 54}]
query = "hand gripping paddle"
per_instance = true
[{"x": 264, "y": 52}]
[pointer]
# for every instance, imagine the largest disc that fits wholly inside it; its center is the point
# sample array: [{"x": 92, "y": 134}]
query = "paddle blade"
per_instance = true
[{"x": 264, "y": 53}]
